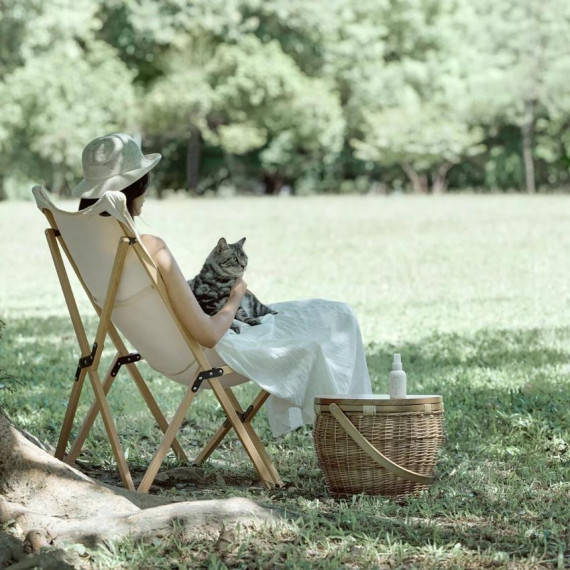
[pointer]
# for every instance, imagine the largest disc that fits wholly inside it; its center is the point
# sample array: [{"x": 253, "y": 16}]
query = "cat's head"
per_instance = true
[{"x": 229, "y": 258}]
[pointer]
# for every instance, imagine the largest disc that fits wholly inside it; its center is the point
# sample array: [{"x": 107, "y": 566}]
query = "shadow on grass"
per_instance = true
[
  {"x": 506, "y": 456},
  {"x": 502, "y": 371},
  {"x": 500, "y": 470},
  {"x": 496, "y": 349}
]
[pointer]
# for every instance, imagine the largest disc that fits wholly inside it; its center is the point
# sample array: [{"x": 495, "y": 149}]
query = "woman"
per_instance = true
[
  {"x": 114, "y": 160},
  {"x": 309, "y": 347}
]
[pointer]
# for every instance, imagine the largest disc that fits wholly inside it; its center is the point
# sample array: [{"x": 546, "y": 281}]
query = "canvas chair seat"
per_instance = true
[{"x": 124, "y": 285}]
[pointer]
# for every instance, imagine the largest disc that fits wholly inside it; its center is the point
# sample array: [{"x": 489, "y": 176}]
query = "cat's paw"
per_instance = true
[
  {"x": 252, "y": 322},
  {"x": 272, "y": 312},
  {"x": 235, "y": 328}
]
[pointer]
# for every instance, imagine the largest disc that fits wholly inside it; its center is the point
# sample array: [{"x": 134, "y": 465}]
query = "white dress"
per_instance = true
[{"x": 309, "y": 348}]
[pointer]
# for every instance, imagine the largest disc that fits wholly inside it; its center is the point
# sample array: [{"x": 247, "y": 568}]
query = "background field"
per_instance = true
[{"x": 472, "y": 290}]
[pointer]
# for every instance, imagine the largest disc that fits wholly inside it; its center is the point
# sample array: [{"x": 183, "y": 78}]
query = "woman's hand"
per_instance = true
[{"x": 238, "y": 290}]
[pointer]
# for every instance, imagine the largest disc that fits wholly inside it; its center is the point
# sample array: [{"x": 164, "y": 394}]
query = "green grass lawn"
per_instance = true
[{"x": 474, "y": 291}]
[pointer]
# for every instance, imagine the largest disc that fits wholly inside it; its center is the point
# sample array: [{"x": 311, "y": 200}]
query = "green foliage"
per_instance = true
[
  {"x": 177, "y": 101},
  {"x": 521, "y": 55},
  {"x": 518, "y": 61},
  {"x": 75, "y": 108},
  {"x": 296, "y": 120},
  {"x": 249, "y": 97},
  {"x": 412, "y": 111},
  {"x": 29, "y": 27},
  {"x": 307, "y": 93},
  {"x": 68, "y": 88},
  {"x": 419, "y": 134}
]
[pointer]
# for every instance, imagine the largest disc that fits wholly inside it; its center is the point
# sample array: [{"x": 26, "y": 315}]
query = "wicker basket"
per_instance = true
[{"x": 376, "y": 445}]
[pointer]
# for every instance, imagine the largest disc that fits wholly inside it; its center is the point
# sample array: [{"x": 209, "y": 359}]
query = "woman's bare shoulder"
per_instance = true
[{"x": 153, "y": 244}]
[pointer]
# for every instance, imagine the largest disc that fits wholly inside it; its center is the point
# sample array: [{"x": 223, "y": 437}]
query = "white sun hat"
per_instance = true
[{"x": 112, "y": 162}]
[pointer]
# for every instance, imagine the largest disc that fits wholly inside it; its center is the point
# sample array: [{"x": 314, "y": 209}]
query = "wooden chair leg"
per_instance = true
[
  {"x": 217, "y": 438},
  {"x": 224, "y": 429},
  {"x": 94, "y": 410},
  {"x": 79, "y": 333},
  {"x": 145, "y": 392},
  {"x": 243, "y": 434},
  {"x": 212, "y": 443},
  {"x": 276, "y": 478},
  {"x": 166, "y": 441},
  {"x": 155, "y": 410},
  {"x": 89, "y": 419},
  {"x": 69, "y": 416},
  {"x": 111, "y": 430},
  {"x": 260, "y": 399},
  {"x": 256, "y": 406}
]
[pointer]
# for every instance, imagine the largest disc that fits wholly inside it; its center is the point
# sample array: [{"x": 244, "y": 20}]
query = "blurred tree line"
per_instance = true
[{"x": 319, "y": 96}]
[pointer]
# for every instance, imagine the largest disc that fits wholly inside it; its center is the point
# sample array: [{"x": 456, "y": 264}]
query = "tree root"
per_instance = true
[{"x": 44, "y": 501}]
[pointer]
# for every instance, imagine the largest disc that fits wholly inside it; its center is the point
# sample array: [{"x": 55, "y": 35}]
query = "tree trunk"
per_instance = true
[
  {"x": 439, "y": 185},
  {"x": 58, "y": 182},
  {"x": 44, "y": 501},
  {"x": 419, "y": 181},
  {"x": 232, "y": 168},
  {"x": 3, "y": 195},
  {"x": 193, "y": 159},
  {"x": 527, "y": 134},
  {"x": 273, "y": 184}
]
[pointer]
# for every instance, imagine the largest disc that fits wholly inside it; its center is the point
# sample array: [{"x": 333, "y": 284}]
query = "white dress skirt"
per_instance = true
[{"x": 309, "y": 348}]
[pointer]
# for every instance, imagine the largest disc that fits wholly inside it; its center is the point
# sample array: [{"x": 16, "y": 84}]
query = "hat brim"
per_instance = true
[{"x": 94, "y": 189}]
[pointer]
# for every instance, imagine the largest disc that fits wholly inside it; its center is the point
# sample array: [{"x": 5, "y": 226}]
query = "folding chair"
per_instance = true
[{"x": 127, "y": 292}]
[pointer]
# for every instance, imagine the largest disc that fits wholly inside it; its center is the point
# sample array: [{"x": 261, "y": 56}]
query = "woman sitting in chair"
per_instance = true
[{"x": 307, "y": 348}]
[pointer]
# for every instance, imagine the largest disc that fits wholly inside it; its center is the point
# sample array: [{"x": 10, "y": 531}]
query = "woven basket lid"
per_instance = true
[{"x": 376, "y": 400}]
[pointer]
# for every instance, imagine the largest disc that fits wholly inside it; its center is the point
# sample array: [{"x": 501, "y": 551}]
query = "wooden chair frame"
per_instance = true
[{"x": 236, "y": 418}]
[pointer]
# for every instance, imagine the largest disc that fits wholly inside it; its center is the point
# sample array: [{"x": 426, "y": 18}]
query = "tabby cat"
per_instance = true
[{"x": 226, "y": 262}]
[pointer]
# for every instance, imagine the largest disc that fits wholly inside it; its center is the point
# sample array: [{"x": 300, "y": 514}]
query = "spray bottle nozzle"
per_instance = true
[
  {"x": 397, "y": 362},
  {"x": 397, "y": 378}
]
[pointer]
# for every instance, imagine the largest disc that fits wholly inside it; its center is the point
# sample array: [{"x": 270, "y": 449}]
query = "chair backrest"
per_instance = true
[{"x": 140, "y": 312}]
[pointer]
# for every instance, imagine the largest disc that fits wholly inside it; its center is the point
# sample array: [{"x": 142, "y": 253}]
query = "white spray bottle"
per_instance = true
[{"x": 397, "y": 378}]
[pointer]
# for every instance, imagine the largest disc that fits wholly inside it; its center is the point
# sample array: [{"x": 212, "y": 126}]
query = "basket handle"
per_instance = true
[{"x": 372, "y": 452}]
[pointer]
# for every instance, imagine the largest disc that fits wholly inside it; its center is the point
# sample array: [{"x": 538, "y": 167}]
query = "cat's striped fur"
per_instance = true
[{"x": 212, "y": 286}]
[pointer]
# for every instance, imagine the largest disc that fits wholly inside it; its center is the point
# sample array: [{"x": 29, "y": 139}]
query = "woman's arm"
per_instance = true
[{"x": 207, "y": 330}]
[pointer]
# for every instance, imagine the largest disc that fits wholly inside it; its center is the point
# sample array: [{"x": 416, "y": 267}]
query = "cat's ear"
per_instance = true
[
  {"x": 222, "y": 243},
  {"x": 241, "y": 242}
]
